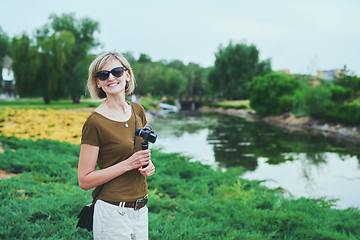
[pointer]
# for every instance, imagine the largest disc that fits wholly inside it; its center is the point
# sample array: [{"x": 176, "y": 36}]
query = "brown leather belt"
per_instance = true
[{"x": 138, "y": 204}]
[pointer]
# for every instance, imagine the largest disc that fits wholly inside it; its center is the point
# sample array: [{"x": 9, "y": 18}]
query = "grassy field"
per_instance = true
[{"x": 187, "y": 200}]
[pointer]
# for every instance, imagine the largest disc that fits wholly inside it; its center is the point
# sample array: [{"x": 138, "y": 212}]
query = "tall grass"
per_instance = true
[{"x": 187, "y": 200}]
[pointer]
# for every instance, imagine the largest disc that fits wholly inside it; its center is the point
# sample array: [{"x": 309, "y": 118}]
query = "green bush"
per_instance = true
[
  {"x": 344, "y": 113},
  {"x": 313, "y": 101},
  {"x": 340, "y": 94},
  {"x": 272, "y": 93}
]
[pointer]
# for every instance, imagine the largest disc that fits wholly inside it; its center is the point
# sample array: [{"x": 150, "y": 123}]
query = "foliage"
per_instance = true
[
  {"x": 4, "y": 45},
  {"x": 195, "y": 75},
  {"x": 272, "y": 93},
  {"x": 235, "y": 66},
  {"x": 25, "y": 65},
  {"x": 170, "y": 79},
  {"x": 350, "y": 82},
  {"x": 47, "y": 52},
  {"x": 158, "y": 79},
  {"x": 340, "y": 94},
  {"x": 4, "y": 49},
  {"x": 187, "y": 200},
  {"x": 343, "y": 113},
  {"x": 78, "y": 60},
  {"x": 54, "y": 64},
  {"x": 312, "y": 101}
]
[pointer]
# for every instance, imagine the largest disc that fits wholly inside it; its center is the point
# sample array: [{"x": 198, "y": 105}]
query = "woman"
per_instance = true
[{"x": 108, "y": 141}]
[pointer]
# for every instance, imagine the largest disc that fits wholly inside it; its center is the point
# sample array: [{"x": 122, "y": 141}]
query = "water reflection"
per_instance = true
[
  {"x": 304, "y": 164},
  {"x": 238, "y": 142}
]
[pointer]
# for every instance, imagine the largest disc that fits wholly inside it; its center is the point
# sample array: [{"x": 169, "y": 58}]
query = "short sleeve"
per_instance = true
[{"x": 90, "y": 133}]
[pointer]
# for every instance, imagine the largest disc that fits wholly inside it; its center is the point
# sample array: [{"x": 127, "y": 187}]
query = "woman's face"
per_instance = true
[{"x": 113, "y": 85}]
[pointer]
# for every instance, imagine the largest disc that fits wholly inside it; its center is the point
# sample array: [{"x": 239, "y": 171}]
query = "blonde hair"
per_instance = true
[{"x": 98, "y": 64}]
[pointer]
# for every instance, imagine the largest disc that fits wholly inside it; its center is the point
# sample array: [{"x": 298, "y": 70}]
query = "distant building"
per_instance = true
[
  {"x": 286, "y": 71},
  {"x": 329, "y": 74},
  {"x": 8, "y": 78}
]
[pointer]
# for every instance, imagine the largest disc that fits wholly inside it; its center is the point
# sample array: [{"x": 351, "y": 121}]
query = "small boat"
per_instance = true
[{"x": 168, "y": 108}]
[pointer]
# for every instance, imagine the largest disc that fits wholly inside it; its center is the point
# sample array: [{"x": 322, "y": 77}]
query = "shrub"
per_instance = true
[
  {"x": 272, "y": 93},
  {"x": 313, "y": 101},
  {"x": 344, "y": 113},
  {"x": 340, "y": 94}
]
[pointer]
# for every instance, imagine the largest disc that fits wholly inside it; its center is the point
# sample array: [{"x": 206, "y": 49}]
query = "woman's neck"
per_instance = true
[
  {"x": 116, "y": 104},
  {"x": 115, "y": 108}
]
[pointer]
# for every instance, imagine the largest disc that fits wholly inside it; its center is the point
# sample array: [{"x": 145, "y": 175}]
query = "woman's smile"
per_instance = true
[{"x": 113, "y": 84}]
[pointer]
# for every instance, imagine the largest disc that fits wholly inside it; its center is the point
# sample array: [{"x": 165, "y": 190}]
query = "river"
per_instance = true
[{"x": 304, "y": 165}]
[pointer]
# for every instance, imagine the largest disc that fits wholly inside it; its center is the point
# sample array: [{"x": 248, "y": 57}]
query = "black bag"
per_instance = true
[{"x": 86, "y": 217}]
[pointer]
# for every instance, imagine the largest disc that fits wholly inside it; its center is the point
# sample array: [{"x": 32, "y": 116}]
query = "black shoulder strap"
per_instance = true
[{"x": 132, "y": 106}]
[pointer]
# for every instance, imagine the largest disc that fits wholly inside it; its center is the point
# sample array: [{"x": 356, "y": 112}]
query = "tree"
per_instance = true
[
  {"x": 350, "y": 81},
  {"x": 26, "y": 63},
  {"x": 4, "y": 50},
  {"x": 78, "y": 59},
  {"x": 158, "y": 79},
  {"x": 39, "y": 64},
  {"x": 130, "y": 57},
  {"x": 144, "y": 58},
  {"x": 57, "y": 58},
  {"x": 235, "y": 66},
  {"x": 53, "y": 52},
  {"x": 194, "y": 73}
]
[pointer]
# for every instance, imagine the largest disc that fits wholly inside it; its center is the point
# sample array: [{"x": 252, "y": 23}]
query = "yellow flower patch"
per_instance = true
[{"x": 61, "y": 125}]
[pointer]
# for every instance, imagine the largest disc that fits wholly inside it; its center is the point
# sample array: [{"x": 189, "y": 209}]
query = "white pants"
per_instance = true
[{"x": 115, "y": 222}]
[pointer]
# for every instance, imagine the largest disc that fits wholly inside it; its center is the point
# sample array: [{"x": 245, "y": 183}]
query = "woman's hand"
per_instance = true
[
  {"x": 138, "y": 159},
  {"x": 147, "y": 171}
]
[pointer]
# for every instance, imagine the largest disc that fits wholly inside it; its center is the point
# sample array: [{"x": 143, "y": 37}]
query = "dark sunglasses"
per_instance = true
[{"x": 116, "y": 72}]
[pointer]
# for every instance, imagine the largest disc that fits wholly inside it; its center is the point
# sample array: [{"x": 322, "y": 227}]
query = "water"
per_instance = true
[{"x": 304, "y": 165}]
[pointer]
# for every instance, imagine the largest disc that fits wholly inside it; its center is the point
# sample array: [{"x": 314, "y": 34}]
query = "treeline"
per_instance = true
[{"x": 53, "y": 63}]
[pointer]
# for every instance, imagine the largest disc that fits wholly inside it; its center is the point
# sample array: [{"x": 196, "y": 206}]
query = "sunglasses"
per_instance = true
[{"x": 116, "y": 72}]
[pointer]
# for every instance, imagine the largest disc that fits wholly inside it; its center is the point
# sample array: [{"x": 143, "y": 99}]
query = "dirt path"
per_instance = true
[{"x": 5, "y": 175}]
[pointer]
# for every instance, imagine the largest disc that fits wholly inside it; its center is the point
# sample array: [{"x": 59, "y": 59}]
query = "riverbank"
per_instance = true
[{"x": 290, "y": 122}]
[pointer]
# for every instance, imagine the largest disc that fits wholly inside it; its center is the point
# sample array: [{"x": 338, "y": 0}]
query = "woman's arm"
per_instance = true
[{"x": 89, "y": 178}]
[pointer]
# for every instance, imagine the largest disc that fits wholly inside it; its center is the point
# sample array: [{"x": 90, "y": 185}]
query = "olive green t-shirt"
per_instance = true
[{"x": 116, "y": 142}]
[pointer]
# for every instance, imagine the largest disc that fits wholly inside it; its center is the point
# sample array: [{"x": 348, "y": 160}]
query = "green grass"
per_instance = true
[
  {"x": 187, "y": 200},
  {"x": 39, "y": 104},
  {"x": 235, "y": 104},
  {"x": 147, "y": 102}
]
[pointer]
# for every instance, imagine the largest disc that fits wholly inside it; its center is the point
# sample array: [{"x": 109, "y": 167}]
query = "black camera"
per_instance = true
[{"x": 147, "y": 134}]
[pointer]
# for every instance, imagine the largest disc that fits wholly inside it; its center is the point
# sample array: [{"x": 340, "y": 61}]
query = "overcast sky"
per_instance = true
[{"x": 303, "y": 36}]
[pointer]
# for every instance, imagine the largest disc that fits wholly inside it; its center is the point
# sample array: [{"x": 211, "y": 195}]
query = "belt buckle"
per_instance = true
[
  {"x": 140, "y": 203},
  {"x": 137, "y": 205}
]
